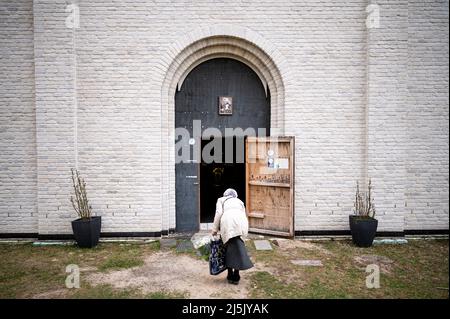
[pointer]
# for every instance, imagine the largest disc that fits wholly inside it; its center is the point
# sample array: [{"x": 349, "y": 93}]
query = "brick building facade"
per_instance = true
[{"x": 361, "y": 100}]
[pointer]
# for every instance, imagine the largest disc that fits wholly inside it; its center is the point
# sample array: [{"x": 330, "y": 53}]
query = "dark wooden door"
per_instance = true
[{"x": 198, "y": 100}]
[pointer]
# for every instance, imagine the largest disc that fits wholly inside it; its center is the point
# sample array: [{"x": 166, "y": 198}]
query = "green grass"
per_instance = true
[
  {"x": 266, "y": 285},
  {"x": 27, "y": 270},
  {"x": 108, "y": 292},
  {"x": 122, "y": 259},
  {"x": 104, "y": 292},
  {"x": 419, "y": 269},
  {"x": 118, "y": 263}
]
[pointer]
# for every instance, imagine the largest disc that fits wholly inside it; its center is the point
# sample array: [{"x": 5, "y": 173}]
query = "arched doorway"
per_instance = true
[{"x": 198, "y": 184}]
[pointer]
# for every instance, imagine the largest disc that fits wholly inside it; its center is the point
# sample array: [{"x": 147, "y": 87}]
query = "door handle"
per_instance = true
[{"x": 196, "y": 183}]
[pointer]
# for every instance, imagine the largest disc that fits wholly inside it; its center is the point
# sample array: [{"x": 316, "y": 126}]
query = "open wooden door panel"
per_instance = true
[{"x": 270, "y": 185}]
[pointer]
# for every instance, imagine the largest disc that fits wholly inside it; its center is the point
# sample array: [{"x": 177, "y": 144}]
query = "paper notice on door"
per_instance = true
[{"x": 281, "y": 163}]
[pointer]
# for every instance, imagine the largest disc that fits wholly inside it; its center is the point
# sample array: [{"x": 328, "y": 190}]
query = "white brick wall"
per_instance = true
[
  {"x": 337, "y": 72},
  {"x": 54, "y": 82},
  {"x": 325, "y": 48},
  {"x": 387, "y": 56},
  {"x": 18, "y": 211},
  {"x": 427, "y": 117}
]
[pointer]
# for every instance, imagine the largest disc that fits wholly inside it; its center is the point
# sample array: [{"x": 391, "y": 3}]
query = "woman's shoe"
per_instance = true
[
  {"x": 230, "y": 276},
  {"x": 236, "y": 278}
]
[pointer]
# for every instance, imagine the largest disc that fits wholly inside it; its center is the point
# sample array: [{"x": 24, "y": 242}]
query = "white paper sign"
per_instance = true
[{"x": 281, "y": 163}]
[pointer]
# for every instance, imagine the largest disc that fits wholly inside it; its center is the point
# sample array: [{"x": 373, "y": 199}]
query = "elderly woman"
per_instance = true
[{"x": 231, "y": 221}]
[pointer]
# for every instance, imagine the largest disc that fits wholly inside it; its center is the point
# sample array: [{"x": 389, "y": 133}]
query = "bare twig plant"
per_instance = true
[
  {"x": 80, "y": 202},
  {"x": 364, "y": 206}
]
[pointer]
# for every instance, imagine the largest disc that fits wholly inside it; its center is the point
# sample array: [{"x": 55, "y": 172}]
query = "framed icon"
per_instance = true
[{"x": 225, "y": 105}]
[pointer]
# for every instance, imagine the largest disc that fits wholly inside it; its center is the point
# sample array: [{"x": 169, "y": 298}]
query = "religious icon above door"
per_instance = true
[{"x": 225, "y": 105}]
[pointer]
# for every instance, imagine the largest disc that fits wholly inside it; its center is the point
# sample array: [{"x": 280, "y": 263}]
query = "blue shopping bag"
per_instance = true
[{"x": 217, "y": 257}]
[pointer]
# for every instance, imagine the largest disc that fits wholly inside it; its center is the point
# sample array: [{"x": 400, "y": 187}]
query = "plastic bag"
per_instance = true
[{"x": 200, "y": 240}]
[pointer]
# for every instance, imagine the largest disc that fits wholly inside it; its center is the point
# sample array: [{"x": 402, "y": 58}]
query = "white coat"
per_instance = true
[{"x": 230, "y": 219}]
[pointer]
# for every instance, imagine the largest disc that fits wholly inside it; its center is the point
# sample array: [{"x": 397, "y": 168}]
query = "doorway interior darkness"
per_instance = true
[
  {"x": 196, "y": 186},
  {"x": 215, "y": 178}
]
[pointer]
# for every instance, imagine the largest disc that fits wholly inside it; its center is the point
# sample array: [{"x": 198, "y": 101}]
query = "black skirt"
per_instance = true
[{"x": 236, "y": 256}]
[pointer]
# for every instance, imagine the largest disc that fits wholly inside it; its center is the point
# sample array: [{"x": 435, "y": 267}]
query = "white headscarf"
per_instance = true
[{"x": 230, "y": 192}]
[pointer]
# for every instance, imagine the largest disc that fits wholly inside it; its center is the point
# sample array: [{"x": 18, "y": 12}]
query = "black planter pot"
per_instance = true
[
  {"x": 87, "y": 231},
  {"x": 363, "y": 230}
]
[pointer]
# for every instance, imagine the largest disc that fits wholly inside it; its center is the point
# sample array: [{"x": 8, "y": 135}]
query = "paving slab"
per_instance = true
[
  {"x": 185, "y": 246},
  {"x": 262, "y": 245},
  {"x": 307, "y": 262},
  {"x": 389, "y": 241},
  {"x": 167, "y": 243}
]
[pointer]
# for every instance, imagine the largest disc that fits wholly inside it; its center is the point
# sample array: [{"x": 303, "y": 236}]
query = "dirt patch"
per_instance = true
[
  {"x": 274, "y": 276},
  {"x": 53, "y": 294},
  {"x": 168, "y": 271},
  {"x": 287, "y": 244},
  {"x": 383, "y": 262},
  {"x": 88, "y": 269}
]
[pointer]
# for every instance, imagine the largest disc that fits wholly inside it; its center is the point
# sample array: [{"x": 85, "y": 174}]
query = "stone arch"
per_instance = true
[{"x": 198, "y": 46}]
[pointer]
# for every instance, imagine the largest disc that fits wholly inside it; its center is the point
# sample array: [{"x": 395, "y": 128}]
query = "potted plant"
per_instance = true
[
  {"x": 86, "y": 229},
  {"x": 363, "y": 225}
]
